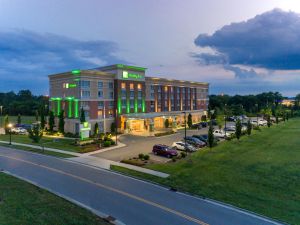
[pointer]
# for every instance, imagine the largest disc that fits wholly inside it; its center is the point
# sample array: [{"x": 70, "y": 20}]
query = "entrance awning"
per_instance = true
[{"x": 156, "y": 114}]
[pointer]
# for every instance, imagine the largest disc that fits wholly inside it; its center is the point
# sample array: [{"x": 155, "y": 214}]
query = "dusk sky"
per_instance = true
[{"x": 238, "y": 46}]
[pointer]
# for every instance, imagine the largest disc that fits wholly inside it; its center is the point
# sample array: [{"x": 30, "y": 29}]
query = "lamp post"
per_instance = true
[
  {"x": 257, "y": 114},
  {"x": 225, "y": 117},
  {"x": 116, "y": 126},
  {"x": 185, "y": 131},
  {"x": 9, "y": 126},
  {"x": 1, "y": 108}
]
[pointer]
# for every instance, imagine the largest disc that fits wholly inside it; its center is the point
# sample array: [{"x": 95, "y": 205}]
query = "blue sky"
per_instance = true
[{"x": 238, "y": 46}]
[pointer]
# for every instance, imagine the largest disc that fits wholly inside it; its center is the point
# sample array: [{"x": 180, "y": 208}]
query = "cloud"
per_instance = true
[
  {"x": 270, "y": 40},
  {"x": 26, "y": 58}
]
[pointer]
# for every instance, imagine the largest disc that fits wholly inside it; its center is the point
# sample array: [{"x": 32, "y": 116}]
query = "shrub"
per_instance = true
[
  {"x": 146, "y": 157},
  {"x": 70, "y": 135},
  {"x": 106, "y": 143},
  {"x": 164, "y": 133},
  {"x": 182, "y": 154},
  {"x": 112, "y": 142},
  {"x": 133, "y": 162},
  {"x": 173, "y": 159},
  {"x": 141, "y": 156}
]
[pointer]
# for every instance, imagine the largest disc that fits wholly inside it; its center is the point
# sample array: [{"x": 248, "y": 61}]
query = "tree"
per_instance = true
[
  {"x": 6, "y": 122},
  {"x": 113, "y": 127},
  {"x": 61, "y": 122},
  {"x": 210, "y": 138},
  {"x": 51, "y": 121},
  {"x": 43, "y": 121},
  {"x": 269, "y": 121},
  {"x": 287, "y": 116},
  {"x": 36, "y": 115},
  {"x": 82, "y": 116},
  {"x": 190, "y": 121},
  {"x": 238, "y": 129},
  {"x": 96, "y": 129},
  {"x": 35, "y": 134},
  {"x": 276, "y": 118},
  {"x": 19, "y": 121},
  {"x": 167, "y": 124},
  {"x": 249, "y": 127}
]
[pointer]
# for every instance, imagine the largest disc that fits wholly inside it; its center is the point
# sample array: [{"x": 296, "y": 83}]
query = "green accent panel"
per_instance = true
[
  {"x": 135, "y": 105},
  {"x": 143, "y": 105},
  {"x": 58, "y": 107},
  {"x": 76, "y": 108},
  {"x": 77, "y": 79},
  {"x": 69, "y": 98},
  {"x": 122, "y": 66},
  {"x": 55, "y": 99},
  {"x": 128, "y": 106},
  {"x": 70, "y": 109},
  {"x": 119, "y": 106},
  {"x": 75, "y": 72}
]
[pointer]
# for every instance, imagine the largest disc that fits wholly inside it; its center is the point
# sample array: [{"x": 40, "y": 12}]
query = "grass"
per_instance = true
[
  {"x": 24, "y": 203},
  {"x": 260, "y": 173},
  {"x": 61, "y": 143},
  {"x": 45, "y": 152}
]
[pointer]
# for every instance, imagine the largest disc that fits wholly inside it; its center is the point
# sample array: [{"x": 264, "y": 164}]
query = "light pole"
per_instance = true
[
  {"x": 1, "y": 108},
  {"x": 116, "y": 126},
  {"x": 225, "y": 117},
  {"x": 185, "y": 131},
  {"x": 9, "y": 126},
  {"x": 257, "y": 114}
]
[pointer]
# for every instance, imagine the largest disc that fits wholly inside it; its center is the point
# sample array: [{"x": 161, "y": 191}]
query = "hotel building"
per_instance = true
[{"x": 123, "y": 95}]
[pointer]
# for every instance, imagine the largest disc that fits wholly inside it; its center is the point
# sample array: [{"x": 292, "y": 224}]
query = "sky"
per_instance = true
[{"x": 238, "y": 46}]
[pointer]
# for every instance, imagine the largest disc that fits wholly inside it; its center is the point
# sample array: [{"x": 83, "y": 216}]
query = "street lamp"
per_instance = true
[
  {"x": 1, "y": 108},
  {"x": 225, "y": 117},
  {"x": 184, "y": 131},
  {"x": 116, "y": 126},
  {"x": 9, "y": 126},
  {"x": 257, "y": 114}
]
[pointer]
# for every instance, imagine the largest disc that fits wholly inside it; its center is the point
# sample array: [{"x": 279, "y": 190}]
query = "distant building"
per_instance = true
[
  {"x": 288, "y": 102},
  {"x": 142, "y": 104}
]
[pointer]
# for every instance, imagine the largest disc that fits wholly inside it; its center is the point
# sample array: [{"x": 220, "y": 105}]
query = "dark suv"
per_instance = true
[
  {"x": 164, "y": 150},
  {"x": 195, "y": 142}
]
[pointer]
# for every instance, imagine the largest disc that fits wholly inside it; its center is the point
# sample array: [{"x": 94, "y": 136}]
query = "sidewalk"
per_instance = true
[{"x": 101, "y": 163}]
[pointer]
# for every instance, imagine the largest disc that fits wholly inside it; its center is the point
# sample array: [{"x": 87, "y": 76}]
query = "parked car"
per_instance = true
[
  {"x": 183, "y": 147},
  {"x": 203, "y": 137},
  {"x": 18, "y": 130},
  {"x": 261, "y": 122},
  {"x": 214, "y": 122},
  {"x": 220, "y": 134},
  {"x": 196, "y": 126},
  {"x": 203, "y": 124},
  {"x": 195, "y": 142},
  {"x": 164, "y": 150},
  {"x": 231, "y": 119}
]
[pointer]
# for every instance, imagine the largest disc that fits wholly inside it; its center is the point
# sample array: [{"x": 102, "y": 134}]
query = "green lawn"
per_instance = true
[
  {"x": 23, "y": 203},
  {"x": 45, "y": 152},
  {"x": 63, "y": 144},
  {"x": 260, "y": 173},
  {"x": 13, "y": 119}
]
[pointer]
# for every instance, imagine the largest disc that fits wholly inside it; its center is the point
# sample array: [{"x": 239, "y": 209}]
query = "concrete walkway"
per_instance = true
[{"x": 97, "y": 162}]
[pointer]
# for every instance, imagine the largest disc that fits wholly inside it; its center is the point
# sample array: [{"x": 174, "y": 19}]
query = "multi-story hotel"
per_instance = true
[{"x": 123, "y": 95}]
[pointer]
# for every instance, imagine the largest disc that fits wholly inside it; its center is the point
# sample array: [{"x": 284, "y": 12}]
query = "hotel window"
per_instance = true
[
  {"x": 110, "y": 85},
  {"x": 111, "y": 95},
  {"x": 100, "y": 105},
  {"x": 140, "y": 104},
  {"x": 131, "y": 104},
  {"x": 124, "y": 103},
  {"x": 131, "y": 94},
  {"x": 87, "y": 113},
  {"x": 123, "y": 93},
  {"x": 152, "y": 87},
  {"x": 139, "y": 86},
  {"x": 85, "y": 94},
  {"x": 123, "y": 86},
  {"x": 166, "y": 89},
  {"x": 111, "y": 104},
  {"x": 100, "y": 84},
  {"x": 110, "y": 113},
  {"x": 100, "y": 114},
  {"x": 100, "y": 94},
  {"x": 158, "y": 88},
  {"x": 84, "y": 104},
  {"x": 131, "y": 86},
  {"x": 151, "y": 95},
  {"x": 140, "y": 94},
  {"x": 85, "y": 84}
]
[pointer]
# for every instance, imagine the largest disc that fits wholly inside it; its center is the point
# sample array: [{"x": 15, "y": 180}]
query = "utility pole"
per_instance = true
[{"x": 185, "y": 131}]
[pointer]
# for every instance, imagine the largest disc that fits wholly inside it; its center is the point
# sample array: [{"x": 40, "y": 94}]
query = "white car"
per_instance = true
[
  {"x": 220, "y": 134},
  {"x": 19, "y": 130},
  {"x": 180, "y": 146},
  {"x": 261, "y": 122}
]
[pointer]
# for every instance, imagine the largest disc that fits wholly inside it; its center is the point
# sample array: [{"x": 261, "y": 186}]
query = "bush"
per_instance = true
[
  {"x": 141, "y": 156},
  {"x": 164, "y": 133},
  {"x": 112, "y": 142},
  {"x": 133, "y": 162},
  {"x": 146, "y": 157},
  {"x": 70, "y": 135},
  {"x": 173, "y": 159},
  {"x": 182, "y": 154},
  {"x": 107, "y": 143}
]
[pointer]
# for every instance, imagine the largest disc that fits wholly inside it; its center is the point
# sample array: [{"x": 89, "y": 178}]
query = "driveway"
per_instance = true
[
  {"x": 137, "y": 144},
  {"x": 129, "y": 200}
]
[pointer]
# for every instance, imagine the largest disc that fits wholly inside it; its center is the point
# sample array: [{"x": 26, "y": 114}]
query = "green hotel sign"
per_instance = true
[{"x": 127, "y": 75}]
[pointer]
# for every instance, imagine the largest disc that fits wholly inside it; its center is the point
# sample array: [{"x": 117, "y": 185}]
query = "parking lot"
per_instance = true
[{"x": 138, "y": 144}]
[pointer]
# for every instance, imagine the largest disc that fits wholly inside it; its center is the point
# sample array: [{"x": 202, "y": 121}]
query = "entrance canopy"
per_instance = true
[{"x": 155, "y": 114}]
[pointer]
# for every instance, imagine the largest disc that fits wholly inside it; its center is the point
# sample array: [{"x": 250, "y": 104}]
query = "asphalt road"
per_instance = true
[
  {"x": 139, "y": 144},
  {"x": 129, "y": 200}
]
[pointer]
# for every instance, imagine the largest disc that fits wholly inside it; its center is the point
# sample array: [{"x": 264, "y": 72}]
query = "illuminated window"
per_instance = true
[
  {"x": 100, "y": 114},
  {"x": 139, "y": 86},
  {"x": 123, "y": 86},
  {"x": 131, "y": 86},
  {"x": 166, "y": 88}
]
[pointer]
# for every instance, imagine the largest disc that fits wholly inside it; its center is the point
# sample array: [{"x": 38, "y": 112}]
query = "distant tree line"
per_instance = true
[{"x": 23, "y": 103}]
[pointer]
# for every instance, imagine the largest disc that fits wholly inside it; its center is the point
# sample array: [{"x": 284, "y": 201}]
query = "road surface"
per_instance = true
[{"x": 129, "y": 200}]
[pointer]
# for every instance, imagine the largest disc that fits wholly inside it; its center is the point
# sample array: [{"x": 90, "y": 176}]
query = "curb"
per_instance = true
[{"x": 102, "y": 215}]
